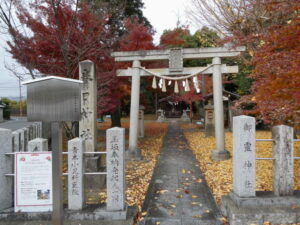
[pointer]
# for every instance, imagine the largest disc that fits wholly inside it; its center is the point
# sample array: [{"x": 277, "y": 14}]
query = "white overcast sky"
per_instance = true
[{"x": 162, "y": 14}]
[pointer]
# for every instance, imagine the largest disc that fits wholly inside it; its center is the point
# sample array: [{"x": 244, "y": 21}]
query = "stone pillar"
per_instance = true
[
  {"x": 1, "y": 113},
  {"x": 283, "y": 164},
  {"x": 16, "y": 141},
  {"x": 39, "y": 130},
  {"x": 34, "y": 131},
  {"x": 6, "y": 167},
  {"x": 26, "y": 139},
  {"x": 141, "y": 122},
  {"x": 30, "y": 133},
  {"x": 209, "y": 120},
  {"x": 22, "y": 140},
  {"x": 244, "y": 156},
  {"x": 46, "y": 130},
  {"x": 115, "y": 147},
  {"x": 87, "y": 124},
  {"x": 220, "y": 153},
  {"x": 76, "y": 174},
  {"x": 38, "y": 145},
  {"x": 134, "y": 152}
]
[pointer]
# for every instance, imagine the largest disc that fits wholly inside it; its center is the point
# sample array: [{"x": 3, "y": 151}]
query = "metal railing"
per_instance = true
[{"x": 269, "y": 140}]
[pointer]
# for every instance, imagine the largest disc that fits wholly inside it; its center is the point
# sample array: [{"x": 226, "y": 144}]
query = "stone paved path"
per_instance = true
[{"x": 178, "y": 193}]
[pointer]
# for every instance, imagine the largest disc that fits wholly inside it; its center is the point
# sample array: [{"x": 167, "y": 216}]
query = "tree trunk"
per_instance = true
[{"x": 115, "y": 118}]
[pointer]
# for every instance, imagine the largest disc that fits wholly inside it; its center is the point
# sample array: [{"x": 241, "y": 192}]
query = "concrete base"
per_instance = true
[
  {"x": 257, "y": 213},
  {"x": 92, "y": 215},
  {"x": 267, "y": 199},
  {"x": 133, "y": 154},
  {"x": 218, "y": 155},
  {"x": 93, "y": 164}
]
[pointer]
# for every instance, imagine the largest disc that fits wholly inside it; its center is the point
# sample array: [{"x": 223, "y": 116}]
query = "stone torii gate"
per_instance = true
[{"x": 176, "y": 57}]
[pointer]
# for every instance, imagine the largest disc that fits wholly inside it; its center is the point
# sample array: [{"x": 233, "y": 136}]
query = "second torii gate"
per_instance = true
[{"x": 176, "y": 57}]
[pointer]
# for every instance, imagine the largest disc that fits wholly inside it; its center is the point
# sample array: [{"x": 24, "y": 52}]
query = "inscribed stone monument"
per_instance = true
[
  {"x": 87, "y": 124},
  {"x": 244, "y": 156},
  {"x": 115, "y": 141},
  {"x": 76, "y": 173}
]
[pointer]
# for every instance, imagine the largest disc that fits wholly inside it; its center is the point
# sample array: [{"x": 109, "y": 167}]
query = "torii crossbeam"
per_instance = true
[{"x": 176, "y": 57}]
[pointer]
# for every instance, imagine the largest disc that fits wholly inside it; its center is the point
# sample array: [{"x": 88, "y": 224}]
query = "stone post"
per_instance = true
[
  {"x": 141, "y": 122},
  {"x": 133, "y": 151},
  {"x": 76, "y": 174},
  {"x": 244, "y": 156},
  {"x": 1, "y": 113},
  {"x": 26, "y": 139},
  {"x": 34, "y": 131},
  {"x": 115, "y": 145},
  {"x": 87, "y": 124},
  {"x": 30, "y": 133},
  {"x": 220, "y": 153},
  {"x": 38, "y": 145},
  {"x": 6, "y": 167},
  {"x": 22, "y": 140},
  {"x": 283, "y": 164},
  {"x": 16, "y": 141}
]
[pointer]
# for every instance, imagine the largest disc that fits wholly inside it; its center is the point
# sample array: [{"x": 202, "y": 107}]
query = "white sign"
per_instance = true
[{"x": 33, "y": 182}]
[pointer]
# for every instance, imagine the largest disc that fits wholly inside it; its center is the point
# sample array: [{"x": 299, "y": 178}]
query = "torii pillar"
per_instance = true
[
  {"x": 133, "y": 151},
  {"x": 220, "y": 153}
]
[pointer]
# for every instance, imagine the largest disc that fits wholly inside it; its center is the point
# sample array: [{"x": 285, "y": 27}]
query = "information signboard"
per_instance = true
[{"x": 33, "y": 182}]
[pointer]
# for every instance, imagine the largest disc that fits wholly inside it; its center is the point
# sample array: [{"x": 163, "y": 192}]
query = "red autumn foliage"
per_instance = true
[
  {"x": 63, "y": 34},
  {"x": 276, "y": 61}
]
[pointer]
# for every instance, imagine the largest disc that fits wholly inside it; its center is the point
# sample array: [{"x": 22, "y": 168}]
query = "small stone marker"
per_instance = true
[
  {"x": 16, "y": 141},
  {"x": 209, "y": 120},
  {"x": 87, "y": 124},
  {"x": 6, "y": 167},
  {"x": 161, "y": 115},
  {"x": 283, "y": 164},
  {"x": 115, "y": 145},
  {"x": 38, "y": 145},
  {"x": 184, "y": 116},
  {"x": 244, "y": 156},
  {"x": 76, "y": 148}
]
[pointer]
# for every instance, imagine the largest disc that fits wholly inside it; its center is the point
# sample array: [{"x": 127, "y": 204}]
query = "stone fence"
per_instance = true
[
  {"x": 246, "y": 205},
  {"x": 12, "y": 142}
]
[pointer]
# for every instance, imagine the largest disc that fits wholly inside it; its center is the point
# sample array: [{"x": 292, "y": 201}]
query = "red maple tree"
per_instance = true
[{"x": 276, "y": 61}]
